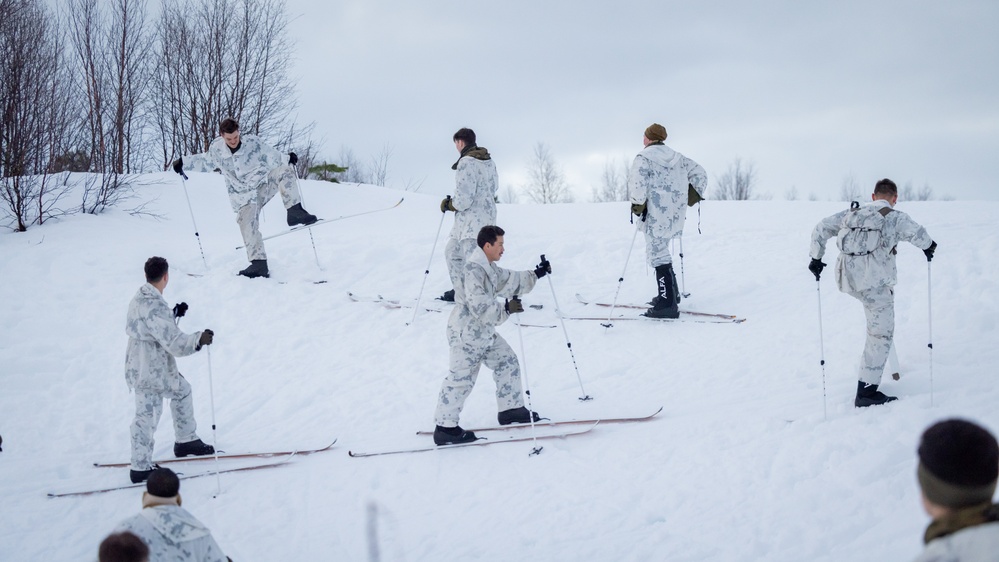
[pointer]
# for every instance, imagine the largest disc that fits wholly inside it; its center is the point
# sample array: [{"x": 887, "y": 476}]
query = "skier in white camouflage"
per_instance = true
[
  {"x": 473, "y": 203},
  {"x": 473, "y": 341},
  {"x": 151, "y": 370},
  {"x": 171, "y": 532},
  {"x": 662, "y": 183},
  {"x": 254, "y": 172},
  {"x": 865, "y": 269}
]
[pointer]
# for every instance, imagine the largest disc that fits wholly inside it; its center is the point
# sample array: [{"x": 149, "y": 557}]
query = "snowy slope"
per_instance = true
[{"x": 741, "y": 465}]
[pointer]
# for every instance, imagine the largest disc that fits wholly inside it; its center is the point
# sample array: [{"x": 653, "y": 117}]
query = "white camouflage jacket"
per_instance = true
[
  {"x": 476, "y": 184},
  {"x": 244, "y": 171},
  {"x": 173, "y": 535},
  {"x": 860, "y": 273},
  {"x": 973, "y": 544},
  {"x": 659, "y": 177},
  {"x": 153, "y": 342},
  {"x": 478, "y": 310}
]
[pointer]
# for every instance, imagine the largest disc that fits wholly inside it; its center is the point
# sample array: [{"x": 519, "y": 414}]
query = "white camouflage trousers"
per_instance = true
[
  {"x": 456, "y": 254},
  {"x": 658, "y": 250},
  {"x": 879, "y": 307},
  {"x": 281, "y": 179},
  {"x": 149, "y": 408},
  {"x": 465, "y": 361}
]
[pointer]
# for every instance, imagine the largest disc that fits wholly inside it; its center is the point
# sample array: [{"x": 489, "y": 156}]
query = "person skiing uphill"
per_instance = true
[
  {"x": 865, "y": 270},
  {"x": 473, "y": 203},
  {"x": 151, "y": 371},
  {"x": 473, "y": 341},
  {"x": 253, "y": 173},
  {"x": 661, "y": 185},
  {"x": 170, "y": 531}
]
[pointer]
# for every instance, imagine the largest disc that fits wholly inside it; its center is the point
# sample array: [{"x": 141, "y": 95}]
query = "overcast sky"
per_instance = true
[{"x": 809, "y": 92}]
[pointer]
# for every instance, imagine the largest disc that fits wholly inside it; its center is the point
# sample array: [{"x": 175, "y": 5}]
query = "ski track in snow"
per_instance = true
[{"x": 741, "y": 464}]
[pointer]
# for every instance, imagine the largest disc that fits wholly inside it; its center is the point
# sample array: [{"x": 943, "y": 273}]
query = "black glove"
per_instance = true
[
  {"x": 447, "y": 205},
  {"x": 544, "y": 268},
  {"x": 179, "y": 310},
  {"x": 640, "y": 209},
  {"x": 929, "y": 251},
  {"x": 815, "y": 266},
  {"x": 514, "y": 306},
  {"x": 292, "y": 158},
  {"x": 178, "y": 166},
  {"x": 206, "y": 338}
]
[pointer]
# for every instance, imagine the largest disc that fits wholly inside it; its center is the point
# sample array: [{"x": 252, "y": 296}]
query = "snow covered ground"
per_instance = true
[{"x": 741, "y": 465}]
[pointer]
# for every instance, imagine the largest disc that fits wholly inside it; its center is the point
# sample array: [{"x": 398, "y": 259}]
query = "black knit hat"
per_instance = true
[
  {"x": 163, "y": 483},
  {"x": 959, "y": 463}
]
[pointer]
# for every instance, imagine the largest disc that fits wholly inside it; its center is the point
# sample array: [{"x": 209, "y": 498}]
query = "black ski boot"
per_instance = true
[
  {"x": 137, "y": 476},
  {"x": 656, "y": 300},
  {"x": 666, "y": 306},
  {"x": 452, "y": 435},
  {"x": 196, "y": 448},
  {"x": 517, "y": 415},
  {"x": 448, "y": 296},
  {"x": 258, "y": 268},
  {"x": 298, "y": 215},
  {"x": 869, "y": 395}
]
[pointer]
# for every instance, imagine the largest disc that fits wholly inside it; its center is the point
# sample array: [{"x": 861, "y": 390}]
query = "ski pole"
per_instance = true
[
  {"x": 215, "y": 437},
  {"x": 568, "y": 344},
  {"x": 301, "y": 196},
  {"x": 426, "y": 272},
  {"x": 527, "y": 386},
  {"x": 620, "y": 279},
  {"x": 183, "y": 182},
  {"x": 822, "y": 349},
  {"x": 683, "y": 281},
  {"x": 929, "y": 306}
]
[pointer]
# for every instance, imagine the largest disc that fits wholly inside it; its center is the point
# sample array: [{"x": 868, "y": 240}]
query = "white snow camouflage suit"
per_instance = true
[
  {"x": 476, "y": 184},
  {"x": 173, "y": 535},
  {"x": 472, "y": 337},
  {"x": 659, "y": 177},
  {"x": 870, "y": 278},
  {"x": 253, "y": 174},
  {"x": 151, "y": 371}
]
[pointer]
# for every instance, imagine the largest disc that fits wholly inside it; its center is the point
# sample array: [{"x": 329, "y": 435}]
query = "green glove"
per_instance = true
[
  {"x": 513, "y": 306},
  {"x": 447, "y": 205},
  {"x": 640, "y": 209},
  {"x": 693, "y": 197}
]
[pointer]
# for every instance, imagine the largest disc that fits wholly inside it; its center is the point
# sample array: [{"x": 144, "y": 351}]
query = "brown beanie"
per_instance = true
[
  {"x": 655, "y": 132},
  {"x": 958, "y": 464}
]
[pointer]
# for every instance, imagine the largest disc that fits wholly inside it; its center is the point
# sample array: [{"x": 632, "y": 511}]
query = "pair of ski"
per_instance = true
[
  {"x": 396, "y": 303},
  {"x": 326, "y": 221},
  {"x": 685, "y": 315},
  {"x": 510, "y": 436},
  {"x": 283, "y": 459}
]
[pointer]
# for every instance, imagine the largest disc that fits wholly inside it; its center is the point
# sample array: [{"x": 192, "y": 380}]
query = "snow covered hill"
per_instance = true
[{"x": 741, "y": 465}]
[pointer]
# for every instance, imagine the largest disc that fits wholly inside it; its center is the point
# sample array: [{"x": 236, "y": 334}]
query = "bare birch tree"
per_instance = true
[
  {"x": 738, "y": 182},
  {"x": 613, "y": 182},
  {"x": 33, "y": 108},
  {"x": 219, "y": 59},
  {"x": 111, "y": 43},
  {"x": 850, "y": 190},
  {"x": 547, "y": 182}
]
